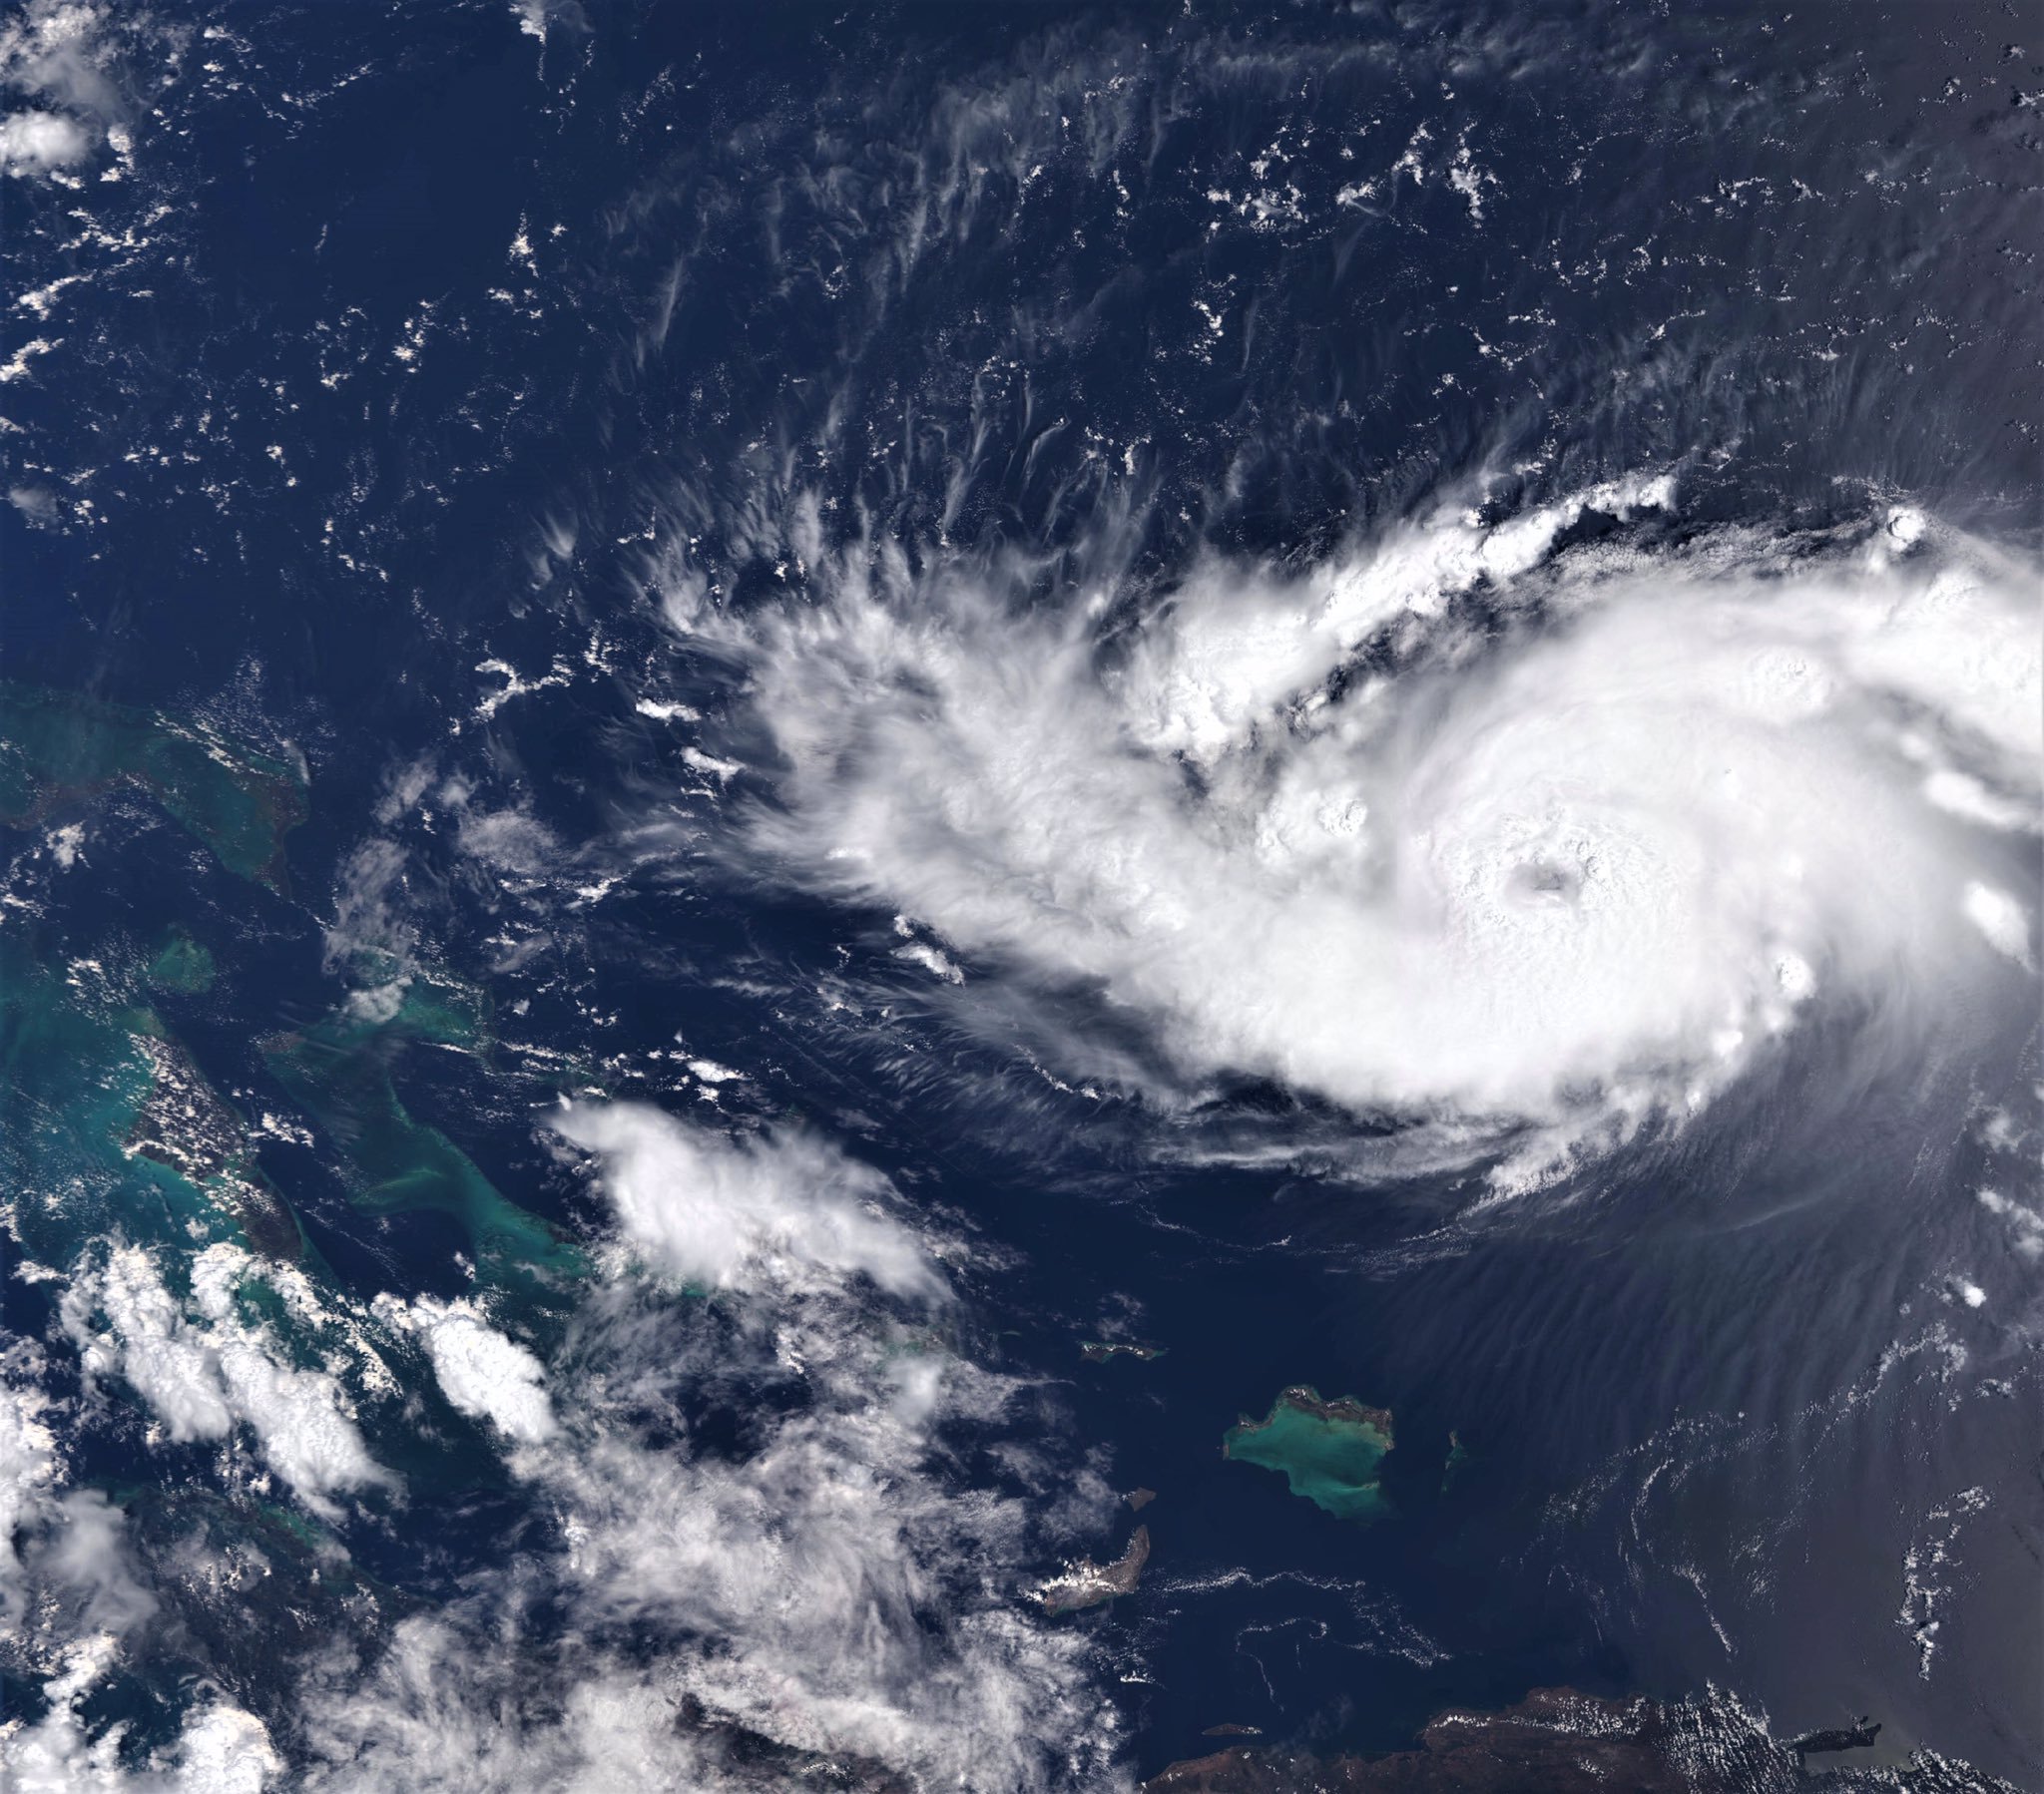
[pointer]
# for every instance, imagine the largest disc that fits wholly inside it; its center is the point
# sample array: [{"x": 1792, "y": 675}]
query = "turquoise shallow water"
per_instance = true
[
  {"x": 342, "y": 1071},
  {"x": 1333, "y": 1461},
  {"x": 426, "y": 403},
  {"x": 58, "y": 747}
]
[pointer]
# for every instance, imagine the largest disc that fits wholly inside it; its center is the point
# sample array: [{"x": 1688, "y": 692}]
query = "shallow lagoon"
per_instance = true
[{"x": 1329, "y": 1451}]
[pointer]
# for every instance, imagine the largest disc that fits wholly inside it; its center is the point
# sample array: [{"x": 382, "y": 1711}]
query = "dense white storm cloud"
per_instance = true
[{"x": 1537, "y": 846}]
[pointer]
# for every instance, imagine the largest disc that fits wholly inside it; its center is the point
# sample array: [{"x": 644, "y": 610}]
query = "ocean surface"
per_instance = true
[{"x": 721, "y": 724}]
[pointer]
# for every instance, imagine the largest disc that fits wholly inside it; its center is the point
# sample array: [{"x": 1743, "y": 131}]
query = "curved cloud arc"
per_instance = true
[{"x": 1465, "y": 827}]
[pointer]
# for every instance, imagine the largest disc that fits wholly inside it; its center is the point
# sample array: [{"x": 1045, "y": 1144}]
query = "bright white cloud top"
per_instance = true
[
  {"x": 32, "y": 142},
  {"x": 1535, "y": 847},
  {"x": 484, "y": 1374},
  {"x": 788, "y": 1211},
  {"x": 203, "y": 1372}
]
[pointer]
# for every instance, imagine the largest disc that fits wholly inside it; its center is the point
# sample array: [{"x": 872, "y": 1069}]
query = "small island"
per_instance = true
[
  {"x": 1329, "y": 1451},
  {"x": 1085, "y": 1583},
  {"x": 1860, "y": 1735},
  {"x": 1457, "y": 1460},
  {"x": 182, "y": 966}
]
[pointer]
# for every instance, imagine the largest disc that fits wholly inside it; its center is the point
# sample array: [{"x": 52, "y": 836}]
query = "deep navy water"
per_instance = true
[{"x": 467, "y": 408}]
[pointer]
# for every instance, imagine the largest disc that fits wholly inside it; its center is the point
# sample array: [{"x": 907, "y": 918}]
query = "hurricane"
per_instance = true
[
  {"x": 1526, "y": 849},
  {"x": 1020, "y": 901}
]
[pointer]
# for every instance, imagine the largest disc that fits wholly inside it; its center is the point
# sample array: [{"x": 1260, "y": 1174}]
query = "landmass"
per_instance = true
[
  {"x": 1857, "y": 1736},
  {"x": 1457, "y": 1460},
  {"x": 1085, "y": 1583},
  {"x": 1098, "y": 1351},
  {"x": 184, "y": 1126},
  {"x": 731, "y": 1756},
  {"x": 113, "y": 1126},
  {"x": 1560, "y": 1741},
  {"x": 1138, "y": 1498},
  {"x": 1329, "y": 1451},
  {"x": 63, "y": 747}
]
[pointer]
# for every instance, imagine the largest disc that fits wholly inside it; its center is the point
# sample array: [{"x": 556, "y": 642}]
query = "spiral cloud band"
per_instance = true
[{"x": 1534, "y": 844}]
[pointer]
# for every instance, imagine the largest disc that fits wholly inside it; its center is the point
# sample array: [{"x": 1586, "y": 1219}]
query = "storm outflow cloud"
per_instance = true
[{"x": 1531, "y": 846}]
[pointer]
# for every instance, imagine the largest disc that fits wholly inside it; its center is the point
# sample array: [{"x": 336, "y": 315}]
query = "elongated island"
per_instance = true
[{"x": 1085, "y": 1584}]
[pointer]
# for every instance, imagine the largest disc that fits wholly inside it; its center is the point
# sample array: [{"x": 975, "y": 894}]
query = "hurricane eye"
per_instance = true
[{"x": 1546, "y": 881}]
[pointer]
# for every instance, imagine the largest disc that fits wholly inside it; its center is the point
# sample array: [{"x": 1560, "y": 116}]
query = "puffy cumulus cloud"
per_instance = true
[
  {"x": 29, "y": 1462},
  {"x": 224, "y": 1751},
  {"x": 60, "y": 54},
  {"x": 443, "y": 1711},
  {"x": 1531, "y": 845},
  {"x": 806, "y": 1583},
  {"x": 54, "y": 1755},
  {"x": 827, "y": 1592},
  {"x": 759, "y": 1541},
  {"x": 536, "y": 17},
  {"x": 481, "y": 1372},
  {"x": 2002, "y": 921},
  {"x": 60, "y": 49},
  {"x": 2025, "y": 1225},
  {"x": 221, "y": 1750},
  {"x": 87, "y": 1558},
  {"x": 33, "y": 143},
  {"x": 69, "y": 1592},
  {"x": 844, "y": 1594},
  {"x": 30, "y": 1471},
  {"x": 202, "y": 1368},
  {"x": 785, "y": 1209}
]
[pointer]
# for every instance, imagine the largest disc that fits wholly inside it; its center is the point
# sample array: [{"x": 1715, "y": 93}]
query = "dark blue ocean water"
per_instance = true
[{"x": 318, "y": 438}]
